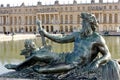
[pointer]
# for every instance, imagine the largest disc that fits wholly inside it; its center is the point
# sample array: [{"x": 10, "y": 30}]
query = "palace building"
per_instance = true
[{"x": 58, "y": 17}]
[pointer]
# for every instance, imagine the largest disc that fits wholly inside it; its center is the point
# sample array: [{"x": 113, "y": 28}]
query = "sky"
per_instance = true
[{"x": 34, "y": 2}]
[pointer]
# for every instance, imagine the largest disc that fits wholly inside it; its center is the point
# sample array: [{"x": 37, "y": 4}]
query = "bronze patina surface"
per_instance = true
[{"x": 89, "y": 60}]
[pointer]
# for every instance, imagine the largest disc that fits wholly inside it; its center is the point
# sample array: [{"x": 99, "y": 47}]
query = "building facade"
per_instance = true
[{"x": 58, "y": 17}]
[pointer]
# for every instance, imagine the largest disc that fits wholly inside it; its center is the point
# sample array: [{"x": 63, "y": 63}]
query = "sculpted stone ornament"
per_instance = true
[{"x": 89, "y": 60}]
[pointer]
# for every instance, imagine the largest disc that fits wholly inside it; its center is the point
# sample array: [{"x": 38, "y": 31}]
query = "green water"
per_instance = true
[{"x": 10, "y": 51}]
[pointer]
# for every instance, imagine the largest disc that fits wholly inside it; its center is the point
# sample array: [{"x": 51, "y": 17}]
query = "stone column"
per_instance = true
[
  {"x": 13, "y": 20},
  {"x": 0, "y": 20},
  {"x": 68, "y": 28},
  {"x": 107, "y": 16},
  {"x": 118, "y": 17},
  {"x": 48, "y": 21},
  {"x": 49, "y": 18},
  {"x": 17, "y": 20},
  {"x": 99, "y": 17},
  {"x": 9, "y": 20},
  {"x": 32, "y": 19},
  {"x": 63, "y": 19},
  {"x": 113, "y": 18},
  {"x": 53, "y": 19},
  {"x": 59, "y": 19},
  {"x": 28, "y": 20}
]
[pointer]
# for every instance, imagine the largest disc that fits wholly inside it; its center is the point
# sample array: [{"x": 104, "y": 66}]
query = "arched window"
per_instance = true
[
  {"x": 15, "y": 20},
  {"x": 4, "y": 20},
  {"x": 11, "y": 29},
  {"x": 71, "y": 19},
  {"x": 19, "y": 22},
  {"x": 26, "y": 19},
  {"x": 43, "y": 27},
  {"x": 78, "y": 19},
  {"x": 43, "y": 19},
  {"x": 52, "y": 28},
  {"x": 34, "y": 19},
  {"x": 51, "y": 18},
  {"x": 110, "y": 18},
  {"x": 47, "y": 28},
  {"x": 66, "y": 8},
  {"x": 66, "y": 28},
  {"x": 26, "y": 29},
  {"x": 34, "y": 28},
  {"x": 61, "y": 18},
  {"x": 4, "y": 29},
  {"x": 116, "y": 18},
  {"x": 105, "y": 28},
  {"x": 15, "y": 29},
  {"x": 61, "y": 28},
  {"x": 47, "y": 19},
  {"x": 30, "y": 28},
  {"x": 104, "y": 18},
  {"x": 66, "y": 19},
  {"x": 30, "y": 22},
  {"x": 71, "y": 29},
  {"x": 110, "y": 7},
  {"x": 11, "y": 21}
]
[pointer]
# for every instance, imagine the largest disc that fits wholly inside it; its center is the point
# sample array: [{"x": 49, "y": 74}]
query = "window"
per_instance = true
[
  {"x": 66, "y": 28},
  {"x": 66, "y": 8},
  {"x": 116, "y": 7},
  {"x": 110, "y": 7},
  {"x": 26, "y": 18},
  {"x": 71, "y": 19},
  {"x": 71, "y": 29},
  {"x": 61, "y": 18},
  {"x": 104, "y": 18},
  {"x": 52, "y": 28},
  {"x": 78, "y": 8},
  {"x": 78, "y": 19},
  {"x": 116, "y": 18},
  {"x": 15, "y": 10},
  {"x": 61, "y": 28},
  {"x": 71, "y": 8},
  {"x": 104, "y": 7},
  {"x": 66, "y": 19},
  {"x": 61, "y": 9},
  {"x": 19, "y": 10},
  {"x": 25, "y": 9},
  {"x": 43, "y": 21},
  {"x": 110, "y": 18},
  {"x": 83, "y": 8}
]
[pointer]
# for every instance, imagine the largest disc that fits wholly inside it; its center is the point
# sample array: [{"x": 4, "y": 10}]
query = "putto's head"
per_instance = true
[{"x": 29, "y": 44}]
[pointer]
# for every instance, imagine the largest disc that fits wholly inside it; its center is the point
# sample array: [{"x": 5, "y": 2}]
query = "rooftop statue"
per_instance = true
[{"x": 90, "y": 55}]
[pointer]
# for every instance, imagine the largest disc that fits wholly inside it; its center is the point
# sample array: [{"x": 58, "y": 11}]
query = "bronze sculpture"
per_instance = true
[{"x": 84, "y": 57}]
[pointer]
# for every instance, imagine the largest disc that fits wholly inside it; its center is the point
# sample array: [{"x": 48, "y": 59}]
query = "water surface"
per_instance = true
[{"x": 10, "y": 50}]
